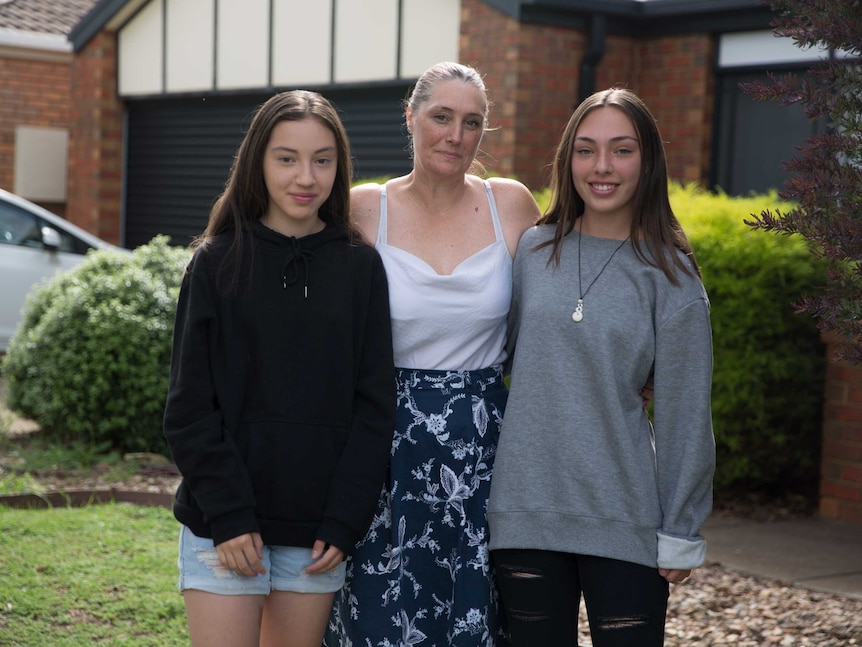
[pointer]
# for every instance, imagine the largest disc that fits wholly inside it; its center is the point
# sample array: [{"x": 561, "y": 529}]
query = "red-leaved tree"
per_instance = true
[{"x": 825, "y": 179}]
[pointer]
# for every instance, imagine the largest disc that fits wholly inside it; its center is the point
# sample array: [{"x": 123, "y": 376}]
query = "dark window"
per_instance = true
[
  {"x": 180, "y": 152},
  {"x": 754, "y": 138}
]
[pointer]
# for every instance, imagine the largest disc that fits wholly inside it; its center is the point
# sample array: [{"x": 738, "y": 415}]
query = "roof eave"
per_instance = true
[
  {"x": 656, "y": 17},
  {"x": 34, "y": 40}
]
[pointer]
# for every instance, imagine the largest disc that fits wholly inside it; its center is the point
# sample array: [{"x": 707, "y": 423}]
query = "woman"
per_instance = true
[
  {"x": 447, "y": 239},
  {"x": 281, "y": 402},
  {"x": 587, "y": 497}
]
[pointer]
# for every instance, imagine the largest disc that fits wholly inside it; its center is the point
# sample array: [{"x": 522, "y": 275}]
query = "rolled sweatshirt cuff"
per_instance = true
[{"x": 680, "y": 552}]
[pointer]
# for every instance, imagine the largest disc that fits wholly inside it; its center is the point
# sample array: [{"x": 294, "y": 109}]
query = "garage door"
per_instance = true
[{"x": 180, "y": 152}]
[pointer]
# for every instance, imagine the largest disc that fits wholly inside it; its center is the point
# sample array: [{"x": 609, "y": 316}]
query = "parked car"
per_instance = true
[{"x": 34, "y": 244}]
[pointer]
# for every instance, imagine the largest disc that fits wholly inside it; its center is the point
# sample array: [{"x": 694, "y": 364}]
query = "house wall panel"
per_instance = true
[
  {"x": 141, "y": 52},
  {"x": 301, "y": 43},
  {"x": 189, "y": 45},
  {"x": 242, "y": 44},
  {"x": 429, "y": 34},
  {"x": 366, "y": 40}
]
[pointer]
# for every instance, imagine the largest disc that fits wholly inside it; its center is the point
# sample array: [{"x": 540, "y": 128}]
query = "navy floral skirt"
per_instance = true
[{"x": 421, "y": 577}]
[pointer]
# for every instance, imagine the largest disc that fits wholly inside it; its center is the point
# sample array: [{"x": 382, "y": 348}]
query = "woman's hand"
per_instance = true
[
  {"x": 328, "y": 557},
  {"x": 242, "y": 554}
]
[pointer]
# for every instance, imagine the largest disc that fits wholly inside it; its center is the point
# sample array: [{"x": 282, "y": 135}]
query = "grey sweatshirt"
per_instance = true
[{"x": 579, "y": 468}]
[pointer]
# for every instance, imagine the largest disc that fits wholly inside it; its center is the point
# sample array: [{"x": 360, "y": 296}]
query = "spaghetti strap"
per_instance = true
[
  {"x": 381, "y": 224},
  {"x": 492, "y": 203}
]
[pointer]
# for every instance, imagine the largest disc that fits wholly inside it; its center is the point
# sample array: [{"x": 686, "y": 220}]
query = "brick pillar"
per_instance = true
[
  {"x": 675, "y": 80},
  {"x": 96, "y": 140},
  {"x": 841, "y": 463},
  {"x": 531, "y": 72}
]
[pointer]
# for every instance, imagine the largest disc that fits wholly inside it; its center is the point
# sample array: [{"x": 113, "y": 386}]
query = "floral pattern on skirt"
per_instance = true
[{"x": 421, "y": 577}]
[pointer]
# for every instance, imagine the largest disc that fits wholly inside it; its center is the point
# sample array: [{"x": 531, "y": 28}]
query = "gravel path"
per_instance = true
[{"x": 720, "y": 607}]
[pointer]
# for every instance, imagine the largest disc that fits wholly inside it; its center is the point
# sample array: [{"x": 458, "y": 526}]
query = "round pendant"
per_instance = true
[{"x": 577, "y": 315}]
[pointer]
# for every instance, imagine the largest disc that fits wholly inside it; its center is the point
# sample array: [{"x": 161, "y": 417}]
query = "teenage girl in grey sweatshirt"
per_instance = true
[{"x": 587, "y": 496}]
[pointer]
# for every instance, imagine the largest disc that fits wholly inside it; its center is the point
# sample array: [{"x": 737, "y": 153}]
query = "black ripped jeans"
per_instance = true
[{"x": 541, "y": 590}]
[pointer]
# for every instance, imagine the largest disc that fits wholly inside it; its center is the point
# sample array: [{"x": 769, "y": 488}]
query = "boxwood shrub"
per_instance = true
[
  {"x": 769, "y": 360},
  {"x": 90, "y": 360}
]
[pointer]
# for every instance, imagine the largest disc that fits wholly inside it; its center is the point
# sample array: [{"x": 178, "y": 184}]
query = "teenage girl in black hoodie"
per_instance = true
[{"x": 281, "y": 405}]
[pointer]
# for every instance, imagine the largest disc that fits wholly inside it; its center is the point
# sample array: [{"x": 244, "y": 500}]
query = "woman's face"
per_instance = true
[
  {"x": 606, "y": 164},
  {"x": 447, "y": 128}
]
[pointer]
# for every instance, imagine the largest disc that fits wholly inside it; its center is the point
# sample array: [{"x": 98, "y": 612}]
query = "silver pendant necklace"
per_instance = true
[{"x": 578, "y": 314}]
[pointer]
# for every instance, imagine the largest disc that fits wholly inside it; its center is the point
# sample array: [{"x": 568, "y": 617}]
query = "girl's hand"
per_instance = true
[
  {"x": 674, "y": 576},
  {"x": 328, "y": 557},
  {"x": 242, "y": 554}
]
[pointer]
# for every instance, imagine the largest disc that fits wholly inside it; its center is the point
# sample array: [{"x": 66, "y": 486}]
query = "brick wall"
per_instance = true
[
  {"x": 485, "y": 30},
  {"x": 34, "y": 91},
  {"x": 673, "y": 76},
  {"x": 96, "y": 141},
  {"x": 841, "y": 463},
  {"x": 676, "y": 82},
  {"x": 532, "y": 74}
]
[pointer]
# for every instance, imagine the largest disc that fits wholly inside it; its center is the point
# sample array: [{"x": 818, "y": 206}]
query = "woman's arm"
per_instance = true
[
  {"x": 365, "y": 210},
  {"x": 517, "y": 209}
]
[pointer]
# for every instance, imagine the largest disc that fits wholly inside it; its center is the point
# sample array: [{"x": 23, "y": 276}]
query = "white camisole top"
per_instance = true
[{"x": 451, "y": 321}]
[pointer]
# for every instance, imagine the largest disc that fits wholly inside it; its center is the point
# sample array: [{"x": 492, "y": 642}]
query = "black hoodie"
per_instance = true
[{"x": 281, "y": 406}]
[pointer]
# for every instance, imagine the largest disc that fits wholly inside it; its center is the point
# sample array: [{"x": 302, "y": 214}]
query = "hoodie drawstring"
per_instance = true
[{"x": 296, "y": 254}]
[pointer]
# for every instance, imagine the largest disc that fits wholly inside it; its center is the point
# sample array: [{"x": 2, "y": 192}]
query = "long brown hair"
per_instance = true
[
  {"x": 245, "y": 198},
  {"x": 654, "y": 224}
]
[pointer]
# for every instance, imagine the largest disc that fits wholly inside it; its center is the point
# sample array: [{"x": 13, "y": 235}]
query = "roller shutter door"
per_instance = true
[{"x": 180, "y": 152}]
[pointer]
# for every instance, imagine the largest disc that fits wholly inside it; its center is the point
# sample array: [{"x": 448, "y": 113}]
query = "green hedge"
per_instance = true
[
  {"x": 769, "y": 360},
  {"x": 90, "y": 359}
]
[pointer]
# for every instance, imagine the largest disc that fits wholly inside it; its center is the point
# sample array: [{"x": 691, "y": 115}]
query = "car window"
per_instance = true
[
  {"x": 20, "y": 227},
  {"x": 68, "y": 243}
]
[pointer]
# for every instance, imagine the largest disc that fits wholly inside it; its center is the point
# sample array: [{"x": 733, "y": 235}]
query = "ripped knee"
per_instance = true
[
  {"x": 523, "y": 573},
  {"x": 519, "y": 572},
  {"x": 621, "y": 622}
]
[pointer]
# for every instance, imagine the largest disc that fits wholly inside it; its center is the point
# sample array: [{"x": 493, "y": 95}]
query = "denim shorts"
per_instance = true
[{"x": 285, "y": 570}]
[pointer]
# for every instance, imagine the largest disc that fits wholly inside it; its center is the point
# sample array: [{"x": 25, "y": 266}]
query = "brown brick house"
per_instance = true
[{"x": 156, "y": 92}]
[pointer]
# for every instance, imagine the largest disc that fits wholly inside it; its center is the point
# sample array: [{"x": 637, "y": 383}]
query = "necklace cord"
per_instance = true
[
  {"x": 578, "y": 314},
  {"x": 581, "y": 292}
]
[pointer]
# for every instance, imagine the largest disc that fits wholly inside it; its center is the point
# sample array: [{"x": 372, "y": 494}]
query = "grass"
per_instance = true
[
  {"x": 102, "y": 574},
  {"x": 70, "y": 577}
]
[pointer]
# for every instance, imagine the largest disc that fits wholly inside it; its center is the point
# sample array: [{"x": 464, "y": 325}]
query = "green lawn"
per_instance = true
[{"x": 102, "y": 574}]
